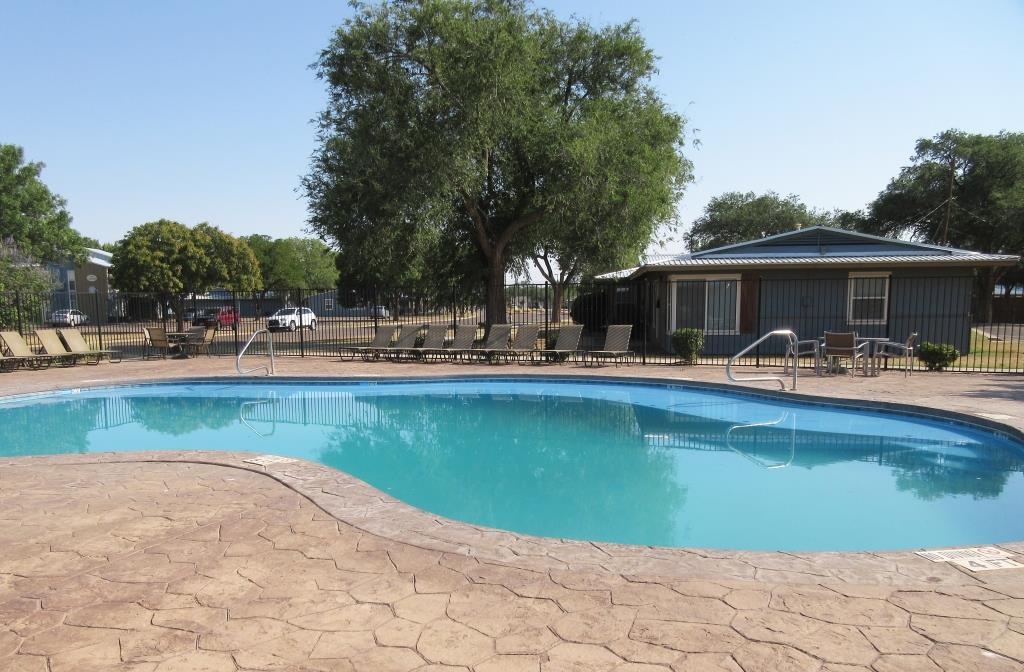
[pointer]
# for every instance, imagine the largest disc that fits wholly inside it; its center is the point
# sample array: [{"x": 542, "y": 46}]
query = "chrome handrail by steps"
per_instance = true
[
  {"x": 270, "y": 351},
  {"x": 781, "y": 381}
]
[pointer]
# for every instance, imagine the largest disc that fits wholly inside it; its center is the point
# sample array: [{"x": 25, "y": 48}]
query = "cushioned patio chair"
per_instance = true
[
  {"x": 842, "y": 345},
  {"x": 76, "y": 343},
  {"x": 494, "y": 345},
  {"x": 616, "y": 346},
  {"x": 892, "y": 350},
  {"x": 381, "y": 339},
  {"x": 50, "y": 341},
  {"x": 566, "y": 346}
]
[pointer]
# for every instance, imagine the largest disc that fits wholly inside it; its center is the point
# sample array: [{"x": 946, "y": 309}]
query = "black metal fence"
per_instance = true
[{"x": 731, "y": 312}]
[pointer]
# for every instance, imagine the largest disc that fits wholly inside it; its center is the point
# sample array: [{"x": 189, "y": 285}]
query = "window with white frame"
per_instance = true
[
  {"x": 868, "y": 298},
  {"x": 722, "y": 305},
  {"x": 328, "y": 305}
]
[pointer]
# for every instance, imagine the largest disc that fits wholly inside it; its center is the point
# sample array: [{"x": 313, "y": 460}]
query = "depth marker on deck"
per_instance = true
[{"x": 266, "y": 460}]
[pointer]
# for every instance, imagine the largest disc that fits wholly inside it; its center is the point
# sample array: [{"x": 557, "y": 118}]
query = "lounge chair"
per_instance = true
[
  {"x": 840, "y": 345},
  {"x": 17, "y": 347},
  {"x": 616, "y": 346},
  {"x": 405, "y": 342},
  {"x": 462, "y": 343},
  {"x": 53, "y": 346},
  {"x": 381, "y": 339},
  {"x": 433, "y": 343},
  {"x": 566, "y": 346},
  {"x": 156, "y": 339},
  {"x": 524, "y": 343},
  {"x": 200, "y": 339},
  {"x": 895, "y": 350},
  {"x": 10, "y": 363},
  {"x": 75, "y": 342},
  {"x": 495, "y": 345}
]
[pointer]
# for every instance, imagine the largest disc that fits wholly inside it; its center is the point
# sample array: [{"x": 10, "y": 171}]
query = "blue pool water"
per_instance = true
[{"x": 632, "y": 463}]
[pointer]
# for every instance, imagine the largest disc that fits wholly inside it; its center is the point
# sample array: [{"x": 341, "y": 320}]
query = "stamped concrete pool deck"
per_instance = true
[{"x": 200, "y": 561}]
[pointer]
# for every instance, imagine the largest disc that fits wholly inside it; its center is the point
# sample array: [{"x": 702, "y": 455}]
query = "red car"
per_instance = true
[{"x": 225, "y": 316}]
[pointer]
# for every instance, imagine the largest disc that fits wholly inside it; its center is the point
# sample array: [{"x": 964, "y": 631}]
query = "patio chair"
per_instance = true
[
  {"x": 840, "y": 345},
  {"x": 405, "y": 342},
  {"x": 10, "y": 363},
  {"x": 566, "y": 346},
  {"x": 53, "y": 346},
  {"x": 462, "y": 343},
  {"x": 156, "y": 339},
  {"x": 76, "y": 343},
  {"x": 895, "y": 350},
  {"x": 616, "y": 346},
  {"x": 523, "y": 343},
  {"x": 433, "y": 343},
  {"x": 381, "y": 338},
  {"x": 494, "y": 345},
  {"x": 200, "y": 339},
  {"x": 794, "y": 351}
]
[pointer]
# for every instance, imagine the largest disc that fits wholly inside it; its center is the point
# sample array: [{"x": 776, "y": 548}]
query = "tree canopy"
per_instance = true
[
  {"x": 484, "y": 124},
  {"x": 170, "y": 258},
  {"x": 735, "y": 217},
  {"x": 32, "y": 218},
  {"x": 961, "y": 189},
  {"x": 293, "y": 263}
]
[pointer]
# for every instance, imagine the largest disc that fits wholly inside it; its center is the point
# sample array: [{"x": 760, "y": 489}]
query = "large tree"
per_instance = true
[
  {"x": 288, "y": 264},
  {"x": 961, "y": 189},
  {"x": 735, "y": 217},
  {"x": 483, "y": 122},
  {"x": 170, "y": 259},
  {"x": 32, "y": 218}
]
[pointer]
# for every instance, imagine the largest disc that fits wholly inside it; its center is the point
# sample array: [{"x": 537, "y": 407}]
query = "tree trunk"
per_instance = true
[
  {"x": 557, "y": 294},
  {"x": 496, "y": 290}
]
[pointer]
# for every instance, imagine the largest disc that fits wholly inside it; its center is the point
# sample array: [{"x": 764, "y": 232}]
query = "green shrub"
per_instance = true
[
  {"x": 937, "y": 356},
  {"x": 687, "y": 344}
]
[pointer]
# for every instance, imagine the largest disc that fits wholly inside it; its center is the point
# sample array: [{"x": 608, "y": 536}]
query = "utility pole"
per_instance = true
[{"x": 949, "y": 200}]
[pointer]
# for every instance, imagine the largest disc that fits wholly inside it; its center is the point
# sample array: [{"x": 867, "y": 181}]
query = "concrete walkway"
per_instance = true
[{"x": 200, "y": 561}]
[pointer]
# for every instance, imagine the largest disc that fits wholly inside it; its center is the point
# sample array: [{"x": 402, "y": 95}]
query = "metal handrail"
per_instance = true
[
  {"x": 270, "y": 351},
  {"x": 782, "y": 381},
  {"x": 759, "y": 462}
]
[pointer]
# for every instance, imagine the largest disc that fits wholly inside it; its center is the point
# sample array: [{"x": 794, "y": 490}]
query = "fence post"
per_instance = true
[
  {"x": 238, "y": 316},
  {"x": 99, "y": 318},
  {"x": 302, "y": 339},
  {"x": 644, "y": 299},
  {"x": 373, "y": 309},
  {"x": 17, "y": 308},
  {"x": 455, "y": 310}
]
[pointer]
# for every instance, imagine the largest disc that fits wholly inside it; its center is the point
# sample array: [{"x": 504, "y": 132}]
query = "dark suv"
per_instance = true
[{"x": 225, "y": 316}]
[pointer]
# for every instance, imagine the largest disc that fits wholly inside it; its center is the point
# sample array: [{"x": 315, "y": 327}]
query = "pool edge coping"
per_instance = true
[{"x": 357, "y": 503}]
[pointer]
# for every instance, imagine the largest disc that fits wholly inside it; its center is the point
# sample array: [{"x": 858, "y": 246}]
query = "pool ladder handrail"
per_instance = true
[
  {"x": 270, "y": 350},
  {"x": 789, "y": 334},
  {"x": 756, "y": 460}
]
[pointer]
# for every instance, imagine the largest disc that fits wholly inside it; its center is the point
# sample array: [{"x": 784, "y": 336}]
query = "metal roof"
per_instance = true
[{"x": 688, "y": 262}]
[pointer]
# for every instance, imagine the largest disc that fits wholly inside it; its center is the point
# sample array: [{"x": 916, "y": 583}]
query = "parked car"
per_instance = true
[
  {"x": 225, "y": 316},
  {"x": 68, "y": 318},
  {"x": 291, "y": 319}
]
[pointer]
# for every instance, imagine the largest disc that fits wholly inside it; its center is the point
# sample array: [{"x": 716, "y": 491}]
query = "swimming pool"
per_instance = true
[{"x": 628, "y": 462}]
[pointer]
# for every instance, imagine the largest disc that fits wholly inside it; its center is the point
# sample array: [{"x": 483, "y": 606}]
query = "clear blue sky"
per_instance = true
[{"x": 199, "y": 110}]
